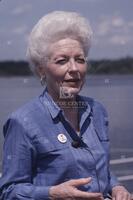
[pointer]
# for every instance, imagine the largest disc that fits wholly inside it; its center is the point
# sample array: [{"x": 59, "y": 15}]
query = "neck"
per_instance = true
[
  {"x": 67, "y": 104},
  {"x": 64, "y": 103},
  {"x": 70, "y": 109}
]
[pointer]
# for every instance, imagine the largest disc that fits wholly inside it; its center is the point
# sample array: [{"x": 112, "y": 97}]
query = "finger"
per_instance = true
[
  {"x": 78, "y": 182},
  {"x": 88, "y": 195},
  {"x": 122, "y": 196}
]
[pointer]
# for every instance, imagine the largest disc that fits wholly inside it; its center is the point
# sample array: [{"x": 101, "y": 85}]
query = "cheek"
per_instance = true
[
  {"x": 60, "y": 73},
  {"x": 83, "y": 70},
  {"x": 54, "y": 74}
]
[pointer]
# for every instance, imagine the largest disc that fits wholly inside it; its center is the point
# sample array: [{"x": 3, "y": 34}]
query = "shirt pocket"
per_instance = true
[
  {"x": 52, "y": 152},
  {"x": 45, "y": 146},
  {"x": 101, "y": 129},
  {"x": 54, "y": 159}
]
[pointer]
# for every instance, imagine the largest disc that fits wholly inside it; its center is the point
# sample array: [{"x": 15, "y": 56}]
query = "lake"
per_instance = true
[{"x": 114, "y": 92}]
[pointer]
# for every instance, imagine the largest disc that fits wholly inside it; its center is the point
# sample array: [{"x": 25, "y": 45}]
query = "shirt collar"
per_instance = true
[
  {"x": 47, "y": 100},
  {"x": 83, "y": 106},
  {"x": 84, "y": 109}
]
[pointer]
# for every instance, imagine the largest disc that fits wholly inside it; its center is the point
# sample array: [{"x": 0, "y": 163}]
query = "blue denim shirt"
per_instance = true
[{"x": 35, "y": 157}]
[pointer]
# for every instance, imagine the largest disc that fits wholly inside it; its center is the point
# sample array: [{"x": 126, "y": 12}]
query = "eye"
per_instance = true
[
  {"x": 61, "y": 61},
  {"x": 80, "y": 60}
]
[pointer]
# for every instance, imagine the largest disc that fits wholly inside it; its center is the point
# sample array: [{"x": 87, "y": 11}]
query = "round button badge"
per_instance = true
[{"x": 62, "y": 138}]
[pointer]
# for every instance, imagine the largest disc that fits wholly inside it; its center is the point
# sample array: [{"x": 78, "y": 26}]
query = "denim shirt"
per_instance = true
[{"x": 35, "y": 156}]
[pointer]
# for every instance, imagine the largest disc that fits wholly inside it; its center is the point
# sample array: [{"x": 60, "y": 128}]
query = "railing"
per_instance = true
[{"x": 123, "y": 161}]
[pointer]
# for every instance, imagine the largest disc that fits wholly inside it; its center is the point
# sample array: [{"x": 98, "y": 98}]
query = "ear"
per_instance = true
[{"x": 41, "y": 71}]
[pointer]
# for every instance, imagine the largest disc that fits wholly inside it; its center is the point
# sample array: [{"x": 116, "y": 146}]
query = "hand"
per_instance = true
[
  {"x": 69, "y": 191},
  {"x": 120, "y": 193}
]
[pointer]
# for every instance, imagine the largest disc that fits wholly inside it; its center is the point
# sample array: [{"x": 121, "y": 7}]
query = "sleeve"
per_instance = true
[
  {"x": 112, "y": 178},
  {"x": 102, "y": 125},
  {"x": 19, "y": 156},
  {"x": 113, "y": 181}
]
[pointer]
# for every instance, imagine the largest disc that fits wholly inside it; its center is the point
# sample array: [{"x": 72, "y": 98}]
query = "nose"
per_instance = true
[{"x": 72, "y": 65}]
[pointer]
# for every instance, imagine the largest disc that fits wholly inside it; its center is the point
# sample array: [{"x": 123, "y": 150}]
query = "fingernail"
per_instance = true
[{"x": 89, "y": 178}]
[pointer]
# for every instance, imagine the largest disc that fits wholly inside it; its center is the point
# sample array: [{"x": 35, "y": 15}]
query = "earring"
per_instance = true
[{"x": 42, "y": 80}]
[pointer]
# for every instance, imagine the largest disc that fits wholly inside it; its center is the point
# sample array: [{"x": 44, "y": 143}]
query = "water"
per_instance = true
[{"x": 115, "y": 92}]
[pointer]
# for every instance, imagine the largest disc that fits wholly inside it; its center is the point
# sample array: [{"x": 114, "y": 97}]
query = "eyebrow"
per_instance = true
[{"x": 64, "y": 55}]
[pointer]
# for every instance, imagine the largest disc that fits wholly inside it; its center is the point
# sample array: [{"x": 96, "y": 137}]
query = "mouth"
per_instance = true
[{"x": 72, "y": 80}]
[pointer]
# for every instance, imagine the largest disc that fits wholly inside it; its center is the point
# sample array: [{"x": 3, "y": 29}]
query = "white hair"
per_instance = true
[{"x": 53, "y": 27}]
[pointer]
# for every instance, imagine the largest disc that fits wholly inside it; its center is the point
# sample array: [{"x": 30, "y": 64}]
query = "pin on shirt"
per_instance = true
[{"x": 62, "y": 138}]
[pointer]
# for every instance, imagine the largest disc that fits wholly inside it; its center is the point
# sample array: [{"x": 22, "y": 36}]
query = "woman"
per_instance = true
[{"x": 57, "y": 146}]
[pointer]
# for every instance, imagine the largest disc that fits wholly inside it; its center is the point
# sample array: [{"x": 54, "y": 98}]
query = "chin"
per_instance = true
[
  {"x": 69, "y": 92},
  {"x": 74, "y": 91}
]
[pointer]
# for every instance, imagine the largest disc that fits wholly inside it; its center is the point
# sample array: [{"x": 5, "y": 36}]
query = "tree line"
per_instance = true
[{"x": 104, "y": 66}]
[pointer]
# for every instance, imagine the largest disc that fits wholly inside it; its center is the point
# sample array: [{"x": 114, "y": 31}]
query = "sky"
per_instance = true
[{"x": 111, "y": 21}]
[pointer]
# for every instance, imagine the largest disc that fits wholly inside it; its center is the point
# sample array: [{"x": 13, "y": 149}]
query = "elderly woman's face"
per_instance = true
[{"x": 66, "y": 68}]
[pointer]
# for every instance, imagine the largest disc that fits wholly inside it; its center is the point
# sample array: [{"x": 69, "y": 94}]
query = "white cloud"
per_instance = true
[
  {"x": 130, "y": 24},
  {"x": 9, "y": 42},
  {"x": 108, "y": 24},
  {"x": 113, "y": 31},
  {"x": 112, "y": 25},
  {"x": 92, "y": 0},
  {"x": 20, "y": 30},
  {"x": 119, "y": 40},
  {"x": 89, "y": 1},
  {"x": 117, "y": 21},
  {"x": 21, "y": 9},
  {"x": 103, "y": 28}
]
